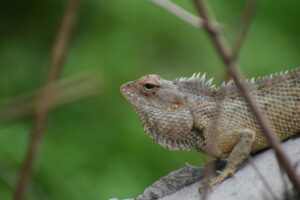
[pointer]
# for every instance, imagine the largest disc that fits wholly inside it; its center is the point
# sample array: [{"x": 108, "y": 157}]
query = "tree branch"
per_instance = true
[
  {"x": 243, "y": 28},
  {"x": 179, "y": 12},
  {"x": 68, "y": 90},
  {"x": 58, "y": 56}
]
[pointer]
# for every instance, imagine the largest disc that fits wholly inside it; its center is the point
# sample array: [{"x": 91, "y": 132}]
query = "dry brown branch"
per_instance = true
[
  {"x": 182, "y": 14},
  {"x": 244, "y": 27},
  {"x": 226, "y": 55},
  {"x": 68, "y": 91},
  {"x": 207, "y": 171},
  {"x": 58, "y": 56}
]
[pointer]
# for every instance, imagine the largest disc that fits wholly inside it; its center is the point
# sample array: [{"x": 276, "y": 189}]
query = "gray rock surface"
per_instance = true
[{"x": 246, "y": 183}]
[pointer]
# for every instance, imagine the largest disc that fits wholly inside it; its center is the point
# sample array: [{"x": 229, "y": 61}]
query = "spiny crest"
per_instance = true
[
  {"x": 275, "y": 75},
  {"x": 261, "y": 80},
  {"x": 278, "y": 76},
  {"x": 196, "y": 83}
]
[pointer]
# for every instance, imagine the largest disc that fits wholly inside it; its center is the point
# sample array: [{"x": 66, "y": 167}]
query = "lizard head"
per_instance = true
[{"x": 162, "y": 108}]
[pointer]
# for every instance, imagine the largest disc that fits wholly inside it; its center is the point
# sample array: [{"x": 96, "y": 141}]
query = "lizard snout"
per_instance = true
[{"x": 126, "y": 88}]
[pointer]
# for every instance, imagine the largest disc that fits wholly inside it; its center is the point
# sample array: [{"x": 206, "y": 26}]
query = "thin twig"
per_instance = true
[
  {"x": 262, "y": 178},
  {"x": 182, "y": 14},
  {"x": 225, "y": 53},
  {"x": 207, "y": 171},
  {"x": 284, "y": 181},
  {"x": 68, "y": 90},
  {"x": 58, "y": 56},
  {"x": 244, "y": 27}
]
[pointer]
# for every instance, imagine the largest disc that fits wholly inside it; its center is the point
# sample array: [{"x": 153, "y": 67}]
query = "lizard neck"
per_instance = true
[{"x": 203, "y": 109}]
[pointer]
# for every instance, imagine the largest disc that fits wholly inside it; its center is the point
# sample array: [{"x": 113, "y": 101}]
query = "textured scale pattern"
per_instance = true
[
  {"x": 279, "y": 98},
  {"x": 192, "y": 114}
]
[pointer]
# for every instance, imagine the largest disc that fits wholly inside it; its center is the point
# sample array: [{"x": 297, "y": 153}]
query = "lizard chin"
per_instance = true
[{"x": 171, "y": 130}]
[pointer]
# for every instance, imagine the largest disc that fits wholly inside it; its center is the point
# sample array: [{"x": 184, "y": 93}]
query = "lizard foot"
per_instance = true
[{"x": 226, "y": 173}]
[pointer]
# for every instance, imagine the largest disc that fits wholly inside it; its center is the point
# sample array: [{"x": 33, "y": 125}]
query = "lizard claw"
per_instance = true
[{"x": 208, "y": 184}]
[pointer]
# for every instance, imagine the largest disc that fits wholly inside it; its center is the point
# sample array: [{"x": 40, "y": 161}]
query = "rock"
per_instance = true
[{"x": 246, "y": 184}]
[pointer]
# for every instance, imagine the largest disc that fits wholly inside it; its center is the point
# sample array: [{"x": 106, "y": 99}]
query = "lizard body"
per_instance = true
[{"x": 192, "y": 114}]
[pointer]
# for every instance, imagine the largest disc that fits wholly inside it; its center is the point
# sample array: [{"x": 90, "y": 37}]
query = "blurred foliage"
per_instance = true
[{"x": 96, "y": 148}]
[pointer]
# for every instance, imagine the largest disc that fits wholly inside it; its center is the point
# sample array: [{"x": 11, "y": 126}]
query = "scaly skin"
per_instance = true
[{"x": 191, "y": 114}]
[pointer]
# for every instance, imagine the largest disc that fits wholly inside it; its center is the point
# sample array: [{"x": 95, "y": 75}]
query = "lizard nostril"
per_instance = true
[{"x": 124, "y": 88}]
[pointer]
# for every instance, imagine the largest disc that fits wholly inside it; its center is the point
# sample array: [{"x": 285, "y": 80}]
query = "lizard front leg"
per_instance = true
[{"x": 236, "y": 157}]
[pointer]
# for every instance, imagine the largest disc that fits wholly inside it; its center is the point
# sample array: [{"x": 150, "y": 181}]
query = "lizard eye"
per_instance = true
[{"x": 149, "y": 86}]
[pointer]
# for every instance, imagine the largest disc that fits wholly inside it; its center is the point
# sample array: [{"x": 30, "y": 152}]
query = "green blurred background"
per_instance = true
[{"x": 96, "y": 148}]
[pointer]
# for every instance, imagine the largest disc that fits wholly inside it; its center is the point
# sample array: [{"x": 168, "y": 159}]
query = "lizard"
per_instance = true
[{"x": 192, "y": 114}]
